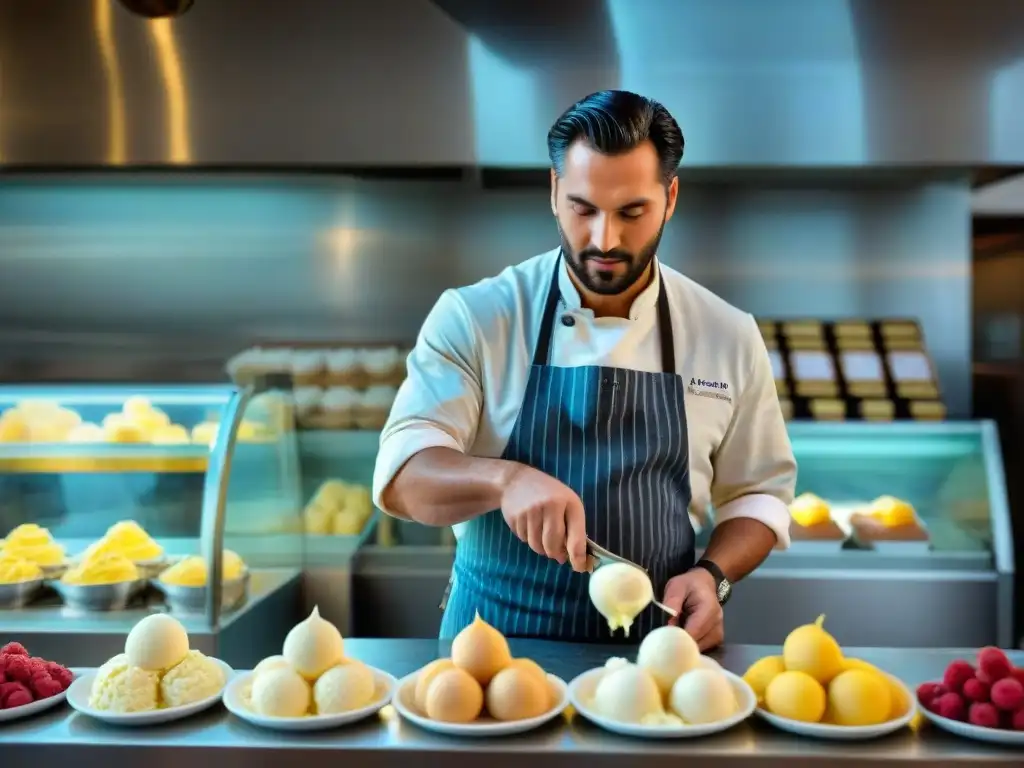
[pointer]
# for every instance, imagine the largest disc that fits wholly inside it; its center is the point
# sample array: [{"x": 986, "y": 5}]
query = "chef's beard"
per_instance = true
[{"x": 606, "y": 282}]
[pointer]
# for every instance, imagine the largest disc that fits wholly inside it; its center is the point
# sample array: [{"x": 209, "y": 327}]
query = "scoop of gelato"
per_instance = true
[
  {"x": 194, "y": 678},
  {"x": 120, "y": 687}
]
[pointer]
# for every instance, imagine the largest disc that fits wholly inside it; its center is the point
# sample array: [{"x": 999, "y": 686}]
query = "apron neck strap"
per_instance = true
[{"x": 542, "y": 350}]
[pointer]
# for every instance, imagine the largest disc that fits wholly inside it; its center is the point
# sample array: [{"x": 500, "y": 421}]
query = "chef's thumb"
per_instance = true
[
  {"x": 576, "y": 535},
  {"x": 675, "y": 596}
]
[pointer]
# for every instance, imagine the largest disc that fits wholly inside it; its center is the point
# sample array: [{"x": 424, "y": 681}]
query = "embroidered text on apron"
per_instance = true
[{"x": 618, "y": 438}]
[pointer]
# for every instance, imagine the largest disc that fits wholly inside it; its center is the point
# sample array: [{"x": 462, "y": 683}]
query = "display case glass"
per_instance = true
[
  {"x": 950, "y": 474},
  {"x": 116, "y": 502}
]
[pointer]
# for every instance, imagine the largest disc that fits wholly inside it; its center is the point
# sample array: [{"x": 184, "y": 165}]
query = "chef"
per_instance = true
[{"x": 592, "y": 391}]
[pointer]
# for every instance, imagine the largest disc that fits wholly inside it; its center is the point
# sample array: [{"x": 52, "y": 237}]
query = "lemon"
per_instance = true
[
  {"x": 797, "y": 696},
  {"x": 898, "y": 693},
  {"x": 762, "y": 672},
  {"x": 859, "y": 697},
  {"x": 812, "y": 650}
]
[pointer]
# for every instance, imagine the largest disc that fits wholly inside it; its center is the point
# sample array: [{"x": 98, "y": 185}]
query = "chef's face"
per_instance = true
[{"x": 611, "y": 211}]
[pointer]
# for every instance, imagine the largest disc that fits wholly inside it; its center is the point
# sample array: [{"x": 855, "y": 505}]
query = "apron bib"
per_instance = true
[{"x": 618, "y": 438}]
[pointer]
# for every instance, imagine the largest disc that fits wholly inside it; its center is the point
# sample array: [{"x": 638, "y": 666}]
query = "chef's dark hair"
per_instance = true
[{"x": 613, "y": 122}]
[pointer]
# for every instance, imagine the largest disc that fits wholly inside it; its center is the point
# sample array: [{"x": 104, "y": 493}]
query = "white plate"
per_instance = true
[
  {"x": 976, "y": 732},
  {"x": 6, "y": 715},
  {"x": 845, "y": 732},
  {"x": 78, "y": 698},
  {"x": 236, "y": 701},
  {"x": 404, "y": 703},
  {"x": 582, "y": 689}
]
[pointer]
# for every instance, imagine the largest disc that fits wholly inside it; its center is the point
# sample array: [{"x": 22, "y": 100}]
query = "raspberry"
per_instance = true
[
  {"x": 994, "y": 664},
  {"x": 14, "y": 695},
  {"x": 950, "y": 706},
  {"x": 1017, "y": 673},
  {"x": 1017, "y": 721},
  {"x": 976, "y": 691},
  {"x": 983, "y": 715},
  {"x": 13, "y": 649},
  {"x": 60, "y": 673},
  {"x": 928, "y": 692},
  {"x": 19, "y": 668},
  {"x": 1007, "y": 694},
  {"x": 44, "y": 686},
  {"x": 957, "y": 673},
  {"x": 3, "y": 677}
]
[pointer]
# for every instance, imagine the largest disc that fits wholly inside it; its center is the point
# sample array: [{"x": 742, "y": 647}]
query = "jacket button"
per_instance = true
[{"x": 568, "y": 321}]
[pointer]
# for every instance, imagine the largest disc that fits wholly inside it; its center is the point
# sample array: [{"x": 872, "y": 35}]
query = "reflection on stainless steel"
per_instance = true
[
  {"x": 216, "y": 740},
  {"x": 123, "y": 279},
  {"x": 99, "y": 597},
  {"x": 793, "y": 82},
  {"x": 188, "y": 599},
  {"x": 20, "y": 593},
  {"x": 117, "y": 151}
]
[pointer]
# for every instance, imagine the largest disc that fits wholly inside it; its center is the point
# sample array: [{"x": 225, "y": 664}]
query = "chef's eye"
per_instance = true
[
  {"x": 632, "y": 213},
  {"x": 582, "y": 210}
]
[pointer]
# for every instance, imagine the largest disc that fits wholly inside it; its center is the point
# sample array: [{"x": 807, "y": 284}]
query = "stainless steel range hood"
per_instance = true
[{"x": 755, "y": 83}]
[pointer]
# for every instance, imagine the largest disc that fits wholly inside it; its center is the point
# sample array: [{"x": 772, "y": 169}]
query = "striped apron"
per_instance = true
[{"x": 618, "y": 438}]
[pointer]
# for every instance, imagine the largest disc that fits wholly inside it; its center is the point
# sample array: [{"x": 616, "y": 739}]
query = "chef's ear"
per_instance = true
[
  {"x": 554, "y": 193},
  {"x": 672, "y": 193}
]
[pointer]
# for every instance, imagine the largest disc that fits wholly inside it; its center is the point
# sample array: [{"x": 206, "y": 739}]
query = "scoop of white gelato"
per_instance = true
[
  {"x": 280, "y": 693},
  {"x": 157, "y": 643},
  {"x": 628, "y": 694},
  {"x": 121, "y": 687},
  {"x": 344, "y": 688},
  {"x": 668, "y": 653},
  {"x": 703, "y": 696},
  {"x": 620, "y": 592},
  {"x": 194, "y": 678}
]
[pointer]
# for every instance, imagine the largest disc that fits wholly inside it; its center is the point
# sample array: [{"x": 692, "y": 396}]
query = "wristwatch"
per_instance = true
[{"x": 723, "y": 587}]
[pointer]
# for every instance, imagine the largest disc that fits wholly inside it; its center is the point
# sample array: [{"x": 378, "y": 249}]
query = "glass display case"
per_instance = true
[
  {"x": 893, "y": 587},
  {"x": 118, "y": 502}
]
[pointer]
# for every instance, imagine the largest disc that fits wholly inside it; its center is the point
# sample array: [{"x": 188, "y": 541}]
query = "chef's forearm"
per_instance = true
[
  {"x": 441, "y": 486},
  {"x": 739, "y": 545}
]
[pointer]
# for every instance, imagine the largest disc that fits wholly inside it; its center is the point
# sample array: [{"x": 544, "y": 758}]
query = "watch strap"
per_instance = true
[{"x": 723, "y": 587}]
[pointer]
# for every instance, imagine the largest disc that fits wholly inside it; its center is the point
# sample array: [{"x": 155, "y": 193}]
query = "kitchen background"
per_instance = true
[{"x": 259, "y": 170}]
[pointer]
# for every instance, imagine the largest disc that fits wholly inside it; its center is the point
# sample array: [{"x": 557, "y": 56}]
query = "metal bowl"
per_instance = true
[
  {"x": 182, "y": 599},
  {"x": 193, "y": 599},
  {"x": 20, "y": 593},
  {"x": 99, "y": 597}
]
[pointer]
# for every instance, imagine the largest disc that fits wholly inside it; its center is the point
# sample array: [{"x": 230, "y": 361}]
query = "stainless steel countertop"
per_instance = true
[{"x": 218, "y": 740}]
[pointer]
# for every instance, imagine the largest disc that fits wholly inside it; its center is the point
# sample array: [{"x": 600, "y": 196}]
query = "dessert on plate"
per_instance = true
[
  {"x": 26, "y": 679},
  {"x": 812, "y": 520},
  {"x": 312, "y": 676},
  {"x": 888, "y": 519},
  {"x": 157, "y": 670},
  {"x": 34, "y": 543}
]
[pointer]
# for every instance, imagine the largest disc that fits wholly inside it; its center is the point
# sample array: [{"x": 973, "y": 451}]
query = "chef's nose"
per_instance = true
[{"x": 604, "y": 233}]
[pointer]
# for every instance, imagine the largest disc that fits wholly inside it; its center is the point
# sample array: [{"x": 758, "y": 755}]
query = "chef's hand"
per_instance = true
[
  {"x": 547, "y": 515},
  {"x": 695, "y": 596}
]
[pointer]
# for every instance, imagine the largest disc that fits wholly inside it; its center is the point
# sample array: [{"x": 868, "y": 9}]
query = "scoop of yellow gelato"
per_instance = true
[
  {"x": 192, "y": 679},
  {"x": 16, "y": 571},
  {"x": 807, "y": 510},
  {"x": 191, "y": 571},
  {"x": 101, "y": 568},
  {"x": 892, "y": 512},
  {"x": 128, "y": 539},
  {"x": 120, "y": 687},
  {"x": 34, "y": 543}
]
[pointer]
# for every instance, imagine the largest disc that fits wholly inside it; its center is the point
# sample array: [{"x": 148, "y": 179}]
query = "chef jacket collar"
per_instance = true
[{"x": 644, "y": 302}]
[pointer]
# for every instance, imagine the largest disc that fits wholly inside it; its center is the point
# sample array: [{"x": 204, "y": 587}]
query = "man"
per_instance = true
[{"x": 592, "y": 391}]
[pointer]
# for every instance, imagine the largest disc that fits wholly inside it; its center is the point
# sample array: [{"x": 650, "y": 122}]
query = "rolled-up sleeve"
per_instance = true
[
  {"x": 754, "y": 472},
  {"x": 439, "y": 403}
]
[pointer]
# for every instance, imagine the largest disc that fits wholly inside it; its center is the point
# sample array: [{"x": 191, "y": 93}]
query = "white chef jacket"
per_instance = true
[{"x": 467, "y": 377}]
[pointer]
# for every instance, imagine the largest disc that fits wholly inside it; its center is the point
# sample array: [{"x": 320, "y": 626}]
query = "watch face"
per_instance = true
[{"x": 724, "y": 590}]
